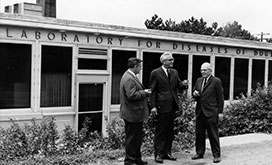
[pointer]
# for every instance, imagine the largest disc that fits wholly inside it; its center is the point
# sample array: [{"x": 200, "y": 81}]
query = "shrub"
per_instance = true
[
  {"x": 40, "y": 143},
  {"x": 249, "y": 114},
  {"x": 70, "y": 142},
  {"x": 185, "y": 123},
  {"x": 13, "y": 142},
  {"x": 49, "y": 136},
  {"x": 116, "y": 134}
]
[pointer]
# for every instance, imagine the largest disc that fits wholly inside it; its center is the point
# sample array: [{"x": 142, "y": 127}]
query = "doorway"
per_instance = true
[{"x": 91, "y": 102}]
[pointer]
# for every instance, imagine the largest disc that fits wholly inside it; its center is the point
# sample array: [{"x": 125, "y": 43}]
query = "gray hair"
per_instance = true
[
  {"x": 206, "y": 65},
  {"x": 166, "y": 55}
]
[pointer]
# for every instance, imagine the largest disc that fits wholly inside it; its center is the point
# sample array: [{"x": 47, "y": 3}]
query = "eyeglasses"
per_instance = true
[{"x": 171, "y": 59}]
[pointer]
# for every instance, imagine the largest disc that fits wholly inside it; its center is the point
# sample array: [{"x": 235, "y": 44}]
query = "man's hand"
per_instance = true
[
  {"x": 196, "y": 93},
  {"x": 148, "y": 91},
  {"x": 185, "y": 82},
  {"x": 154, "y": 112},
  {"x": 220, "y": 115}
]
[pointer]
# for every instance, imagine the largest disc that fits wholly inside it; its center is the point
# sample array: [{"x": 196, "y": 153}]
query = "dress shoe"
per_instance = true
[
  {"x": 217, "y": 160},
  {"x": 158, "y": 159},
  {"x": 197, "y": 156},
  {"x": 141, "y": 162},
  {"x": 169, "y": 157}
]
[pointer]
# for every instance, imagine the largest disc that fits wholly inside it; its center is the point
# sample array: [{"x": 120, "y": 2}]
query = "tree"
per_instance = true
[
  {"x": 234, "y": 30},
  {"x": 189, "y": 26},
  {"x": 195, "y": 26}
]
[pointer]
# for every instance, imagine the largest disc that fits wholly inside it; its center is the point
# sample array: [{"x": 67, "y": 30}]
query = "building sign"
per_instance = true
[{"x": 119, "y": 41}]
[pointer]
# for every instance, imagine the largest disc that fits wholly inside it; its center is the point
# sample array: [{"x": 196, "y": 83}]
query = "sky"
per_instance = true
[{"x": 254, "y": 15}]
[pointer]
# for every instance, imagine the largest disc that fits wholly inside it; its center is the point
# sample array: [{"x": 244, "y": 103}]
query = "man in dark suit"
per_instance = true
[
  {"x": 164, "y": 84},
  {"x": 133, "y": 110},
  {"x": 208, "y": 92}
]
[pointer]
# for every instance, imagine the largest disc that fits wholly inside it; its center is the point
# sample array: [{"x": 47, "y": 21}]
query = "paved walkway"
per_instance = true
[{"x": 248, "y": 149}]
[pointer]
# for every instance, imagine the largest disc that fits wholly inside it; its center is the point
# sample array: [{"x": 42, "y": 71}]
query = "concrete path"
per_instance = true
[{"x": 248, "y": 149}]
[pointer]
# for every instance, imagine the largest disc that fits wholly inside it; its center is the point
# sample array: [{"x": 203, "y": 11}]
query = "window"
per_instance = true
[
  {"x": 119, "y": 66},
  {"x": 240, "y": 77},
  {"x": 56, "y": 76},
  {"x": 197, "y": 62},
  {"x": 152, "y": 61},
  {"x": 92, "y": 59},
  {"x": 222, "y": 70},
  {"x": 90, "y": 106},
  {"x": 270, "y": 72},
  {"x": 15, "y": 73},
  {"x": 92, "y": 64},
  {"x": 181, "y": 65},
  {"x": 258, "y": 70}
]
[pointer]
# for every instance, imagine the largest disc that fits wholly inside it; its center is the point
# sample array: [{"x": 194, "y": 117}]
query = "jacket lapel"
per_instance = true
[
  {"x": 164, "y": 74},
  {"x": 139, "y": 82},
  {"x": 136, "y": 79},
  {"x": 208, "y": 83}
]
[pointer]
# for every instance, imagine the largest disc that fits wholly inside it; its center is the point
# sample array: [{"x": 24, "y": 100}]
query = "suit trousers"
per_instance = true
[
  {"x": 133, "y": 141},
  {"x": 164, "y": 133},
  {"x": 211, "y": 125}
]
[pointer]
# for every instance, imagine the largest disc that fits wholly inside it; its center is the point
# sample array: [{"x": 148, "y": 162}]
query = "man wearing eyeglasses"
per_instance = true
[{"x": 164, "y": 84}]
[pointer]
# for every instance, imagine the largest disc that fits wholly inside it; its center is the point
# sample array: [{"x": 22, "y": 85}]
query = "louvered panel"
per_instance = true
[{"x": 91, "y": 51}]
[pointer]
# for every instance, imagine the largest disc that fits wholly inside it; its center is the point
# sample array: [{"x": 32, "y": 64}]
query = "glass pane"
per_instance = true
[
  {"x": 119, "y": 66},
  {"x": 90, "y": 97},
  {"x": 97, "y": 64},
  {"x": 258, "y": 70},
  {"x": 95, "y": 124},
  {"x": 197, "y": 62},
  {"x": 151, "y": 61},
  {"x": 270, "y": 72},
  {"x": 15, "y": 73},
  {"x": 56, "y": 76},
  {"x": 181, "y": 65},
  {"x": 222, "y": 70},
  {"x": 240, "y": 77}
]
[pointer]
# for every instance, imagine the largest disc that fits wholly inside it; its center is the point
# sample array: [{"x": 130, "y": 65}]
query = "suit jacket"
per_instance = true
[
  {"x": 164, "y": 92},
  {"x": 211, "y": 99},
  {"x": 133, "y": 99}
]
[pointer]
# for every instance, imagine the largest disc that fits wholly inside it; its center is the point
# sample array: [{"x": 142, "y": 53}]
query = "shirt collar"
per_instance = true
[
  {"x": 164, "y": 69},
  {"x": 132, "y": 73},
  {"x": 207, "y": 78}
]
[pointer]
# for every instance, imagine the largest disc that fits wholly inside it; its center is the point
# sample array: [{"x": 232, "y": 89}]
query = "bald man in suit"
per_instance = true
[
  {"x": 208, "y": 93},
  {"x": 164, "y": 84}
]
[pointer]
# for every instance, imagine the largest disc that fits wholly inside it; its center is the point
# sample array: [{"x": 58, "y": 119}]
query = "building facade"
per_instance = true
[{"x": 71, "y": 70}]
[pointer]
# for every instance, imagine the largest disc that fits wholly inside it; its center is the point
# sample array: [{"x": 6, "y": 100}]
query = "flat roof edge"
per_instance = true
[{"x": 77, "y": 26}]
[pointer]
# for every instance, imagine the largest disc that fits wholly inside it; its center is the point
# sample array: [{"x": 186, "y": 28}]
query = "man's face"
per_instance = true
[
  {"x": 205, "y": 71},
  {"x": 138, "y": 68},
  {"x": 168, "y": 62}
]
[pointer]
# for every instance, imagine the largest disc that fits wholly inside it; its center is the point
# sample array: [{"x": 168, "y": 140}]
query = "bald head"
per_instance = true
[{"x": 206, "y": 69}]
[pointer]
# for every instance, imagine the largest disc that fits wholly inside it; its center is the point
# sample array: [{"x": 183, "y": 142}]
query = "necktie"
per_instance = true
[
  {"x": 204, "y": 83},
  {"x": 168, "y": 74}
]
